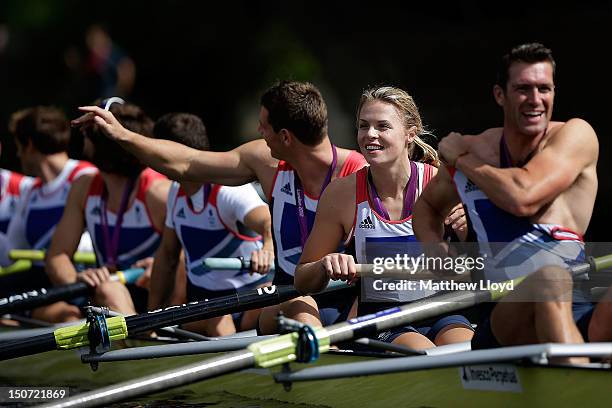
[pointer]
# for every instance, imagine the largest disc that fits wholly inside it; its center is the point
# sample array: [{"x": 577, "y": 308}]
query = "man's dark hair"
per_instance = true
[
  {"x": 298, "y": 107},
  {"x": 108, "y": 155},
  {"x": 530, "y": 53},
  {"x": 45, "y": 126},
  {"x": 183, "y": 128}
]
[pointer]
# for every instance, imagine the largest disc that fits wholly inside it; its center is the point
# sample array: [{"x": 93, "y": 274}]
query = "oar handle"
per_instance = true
[
  {"x": 229, "y": 264},
  {"x": 128, "y": 275},
  {"x": 238, "y": 264},
  {"x": 37, "y": 255},
  {"x": 42, "y": 297},
  {"x": 21, "y": 265}
]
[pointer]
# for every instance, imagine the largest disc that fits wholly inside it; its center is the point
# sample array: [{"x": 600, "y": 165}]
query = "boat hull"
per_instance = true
[{"x": 500, "y": 385}]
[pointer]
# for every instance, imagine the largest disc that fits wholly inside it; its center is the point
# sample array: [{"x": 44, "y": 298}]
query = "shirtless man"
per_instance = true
[
  {"x": 294, "y": 163},
  {"x": 530, "y": 184}
]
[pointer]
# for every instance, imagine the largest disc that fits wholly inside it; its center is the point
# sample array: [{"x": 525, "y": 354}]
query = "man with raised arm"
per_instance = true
[
  {"x": 529, "y": 185},
  {"x": 294, "y": 162},
  {"x": 123, "y": 208}
]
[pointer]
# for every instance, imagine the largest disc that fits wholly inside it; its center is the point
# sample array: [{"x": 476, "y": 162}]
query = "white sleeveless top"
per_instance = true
[{"x": 214, "y": 228}]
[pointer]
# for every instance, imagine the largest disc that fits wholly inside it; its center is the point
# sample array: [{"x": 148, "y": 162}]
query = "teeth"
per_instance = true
[
  {"x": 533, "y": 114},
  {"x": 373, "y": 147}
]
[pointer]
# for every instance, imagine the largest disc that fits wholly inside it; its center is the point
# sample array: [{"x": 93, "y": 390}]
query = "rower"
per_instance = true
[
  {"x": 123, "y": 208},
  {"x": 13, "y": 186},
  {"x": 294, "y": 163},
  {"x": 42, "y": 137},
  {"x": 210, "y": 220},
  {"x": 371, "y": 212},
  {"x": 517, "y": 193}
]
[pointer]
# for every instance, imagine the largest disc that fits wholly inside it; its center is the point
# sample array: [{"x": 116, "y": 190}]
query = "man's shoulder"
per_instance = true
[
  {"x": 257, "y": 150},
  {"x": 488, "y": 135},
  {"x": 574, "y": 125},
  {"x": 257, "y": 154},
  {"x": 341, "y": 190},
  {"x": 349, "y": 161}
]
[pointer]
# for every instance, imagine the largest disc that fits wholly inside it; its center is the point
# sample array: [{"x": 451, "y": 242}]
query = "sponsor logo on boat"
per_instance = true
[
  {"x": 492, "y": 377},
  {"x": 367, "y": 223}
]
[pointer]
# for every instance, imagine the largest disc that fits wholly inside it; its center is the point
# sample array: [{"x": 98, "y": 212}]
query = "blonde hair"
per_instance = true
[{"x": 409, "y": 112}]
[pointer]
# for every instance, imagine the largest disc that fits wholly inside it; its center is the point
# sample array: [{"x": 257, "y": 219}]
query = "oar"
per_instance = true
[
  {"x": 242, "y": 264},
  {"x": 88, "y": 258},
  {"x": 41, "y": 297},
  {"x": 174, "y": 350},
  {"x": 119, "y": 327},
  {"x": 284, "y": 349},
  {"x": 21, "y": 265},
  {"x": 230, "y": 264}
]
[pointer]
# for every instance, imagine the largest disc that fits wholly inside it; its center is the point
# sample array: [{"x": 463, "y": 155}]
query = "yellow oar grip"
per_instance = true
[
  {"x": 281, "y": 349},
  {"x": 19, "y": 266},
  {"x": 76, "y": 336},
  {"x": 37, "y": 255},
  {"x": 121, "y": 277}
]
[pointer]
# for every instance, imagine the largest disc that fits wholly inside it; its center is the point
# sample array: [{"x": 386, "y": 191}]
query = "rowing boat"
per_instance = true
[
  {"x": 449, "y": 376},
  {"x": 446, "y": 376}
]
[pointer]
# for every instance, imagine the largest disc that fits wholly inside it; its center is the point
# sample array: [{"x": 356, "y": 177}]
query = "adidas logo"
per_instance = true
[
  {"x": 96, "y": 211},
  {"x": 470, "y": 186},
  {"x": 367, "y": 223},
  {"x": 286, "y": 189},
  {"x": 181, "y": 213}
]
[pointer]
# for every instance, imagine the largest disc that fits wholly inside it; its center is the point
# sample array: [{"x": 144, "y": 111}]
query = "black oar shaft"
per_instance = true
[
  {"x": 173, "y": 315},
  {"x": 210, "y": 308},
  {"x": 26, "y": 347},
  {"x": 35, "y": 298}
]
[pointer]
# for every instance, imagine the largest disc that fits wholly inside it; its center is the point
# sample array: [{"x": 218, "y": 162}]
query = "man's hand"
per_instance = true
[
  {"x": 457, "y": 220},
  {"x": 94, "y": 277},
  {"x": 104, "y": 119},
  {"x": 261, "y": 261},
  {"x": 451, "y": 148},
  {"x": 145, "y": 278}
]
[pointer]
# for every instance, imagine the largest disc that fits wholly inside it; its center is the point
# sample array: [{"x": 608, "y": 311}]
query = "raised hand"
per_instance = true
[
  {"x": 104, "y": 119},
  {"x": 451, "y": 148}
]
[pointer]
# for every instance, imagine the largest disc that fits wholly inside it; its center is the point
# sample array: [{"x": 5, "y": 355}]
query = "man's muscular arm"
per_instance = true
[
  {"x": 182, "y": 163},
  {"x": 523, "y": 191},
  {"x": 433, "y": 207}
]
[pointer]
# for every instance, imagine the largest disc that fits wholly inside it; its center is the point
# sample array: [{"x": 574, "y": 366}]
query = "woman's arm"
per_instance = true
[{"x": 319, "y": 261}]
